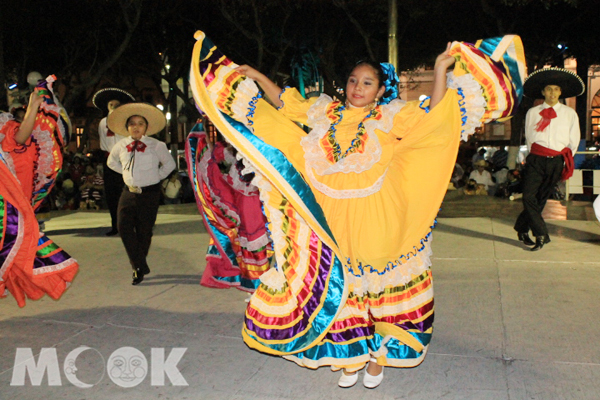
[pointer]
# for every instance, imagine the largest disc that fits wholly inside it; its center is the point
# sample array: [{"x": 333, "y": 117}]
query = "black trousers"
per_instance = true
[
  {"x": 540, "y": 178},
  {"x": 136, "y": 218},
  {"x": 113, "y": 186}
]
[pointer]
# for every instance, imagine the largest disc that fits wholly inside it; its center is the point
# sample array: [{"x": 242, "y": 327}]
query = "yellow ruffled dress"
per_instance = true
[{"x": 359, "y": 284}]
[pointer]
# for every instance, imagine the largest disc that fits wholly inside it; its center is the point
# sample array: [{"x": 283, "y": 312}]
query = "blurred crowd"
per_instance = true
[
  {"x": 486, "y": 173},
  {"x": 80, "y": 186}
]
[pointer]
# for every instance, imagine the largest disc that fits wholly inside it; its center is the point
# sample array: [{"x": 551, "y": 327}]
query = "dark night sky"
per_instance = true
[{"x": 76, "y": 38}]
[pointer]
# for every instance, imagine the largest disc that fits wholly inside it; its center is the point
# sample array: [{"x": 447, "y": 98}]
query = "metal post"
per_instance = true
[{"x": 392, "y": 29}]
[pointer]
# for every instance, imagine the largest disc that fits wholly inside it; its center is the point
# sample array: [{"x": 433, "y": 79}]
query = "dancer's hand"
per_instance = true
[
  {"x": 444, "y": 60},
  {"x": 35, "y": 100},
  {"x": 26, "y": 127}
]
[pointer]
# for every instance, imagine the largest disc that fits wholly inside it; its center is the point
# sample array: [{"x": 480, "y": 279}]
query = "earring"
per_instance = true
[{"x": 372, "y": 105}]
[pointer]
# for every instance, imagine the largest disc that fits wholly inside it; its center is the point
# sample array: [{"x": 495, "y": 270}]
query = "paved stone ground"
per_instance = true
[{"x": 510, "y": 324}]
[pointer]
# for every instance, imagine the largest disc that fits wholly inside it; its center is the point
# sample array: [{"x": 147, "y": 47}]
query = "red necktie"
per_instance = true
[
  {"x": 547, "y": 115},
  {"x": 109, "y": 133}
]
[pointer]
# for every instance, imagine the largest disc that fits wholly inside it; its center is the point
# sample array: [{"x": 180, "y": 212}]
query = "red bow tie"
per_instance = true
[
  {"x": 547, "y": 115},
  {"x": 136, "y": 145}
]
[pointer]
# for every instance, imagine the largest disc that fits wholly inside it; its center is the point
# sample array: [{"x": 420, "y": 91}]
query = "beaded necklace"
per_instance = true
[{"x": 329, "y": 142}]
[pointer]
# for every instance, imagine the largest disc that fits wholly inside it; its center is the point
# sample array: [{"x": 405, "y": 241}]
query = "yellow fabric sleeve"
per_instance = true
[
  {"x": 408, "y": 117},
  {"x": 295, "y": 107},
  {"x": 424, "y": 161}
]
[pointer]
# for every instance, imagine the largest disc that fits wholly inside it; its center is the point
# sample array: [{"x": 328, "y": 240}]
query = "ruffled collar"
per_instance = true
[{"x": 319, "y": 158}]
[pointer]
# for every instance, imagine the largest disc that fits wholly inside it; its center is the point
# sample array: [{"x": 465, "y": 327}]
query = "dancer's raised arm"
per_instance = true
[
  {"x": 26, "y": 128},
  {"x": 272, "y": 91},
  {"x": 442, "y": 63}
]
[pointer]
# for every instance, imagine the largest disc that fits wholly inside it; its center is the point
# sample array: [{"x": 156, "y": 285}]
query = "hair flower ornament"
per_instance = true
[{"x": 391, "y": 83}]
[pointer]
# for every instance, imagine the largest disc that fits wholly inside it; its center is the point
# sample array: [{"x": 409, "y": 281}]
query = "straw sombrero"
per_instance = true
[
  {"x": 570, "y": 84},
  {"x": 117, "y": 120},
  {"x": 103, "y": 96}
]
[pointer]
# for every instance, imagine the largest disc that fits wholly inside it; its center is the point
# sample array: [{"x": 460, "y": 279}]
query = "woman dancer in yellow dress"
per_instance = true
[{"x": 350, "y": 205}]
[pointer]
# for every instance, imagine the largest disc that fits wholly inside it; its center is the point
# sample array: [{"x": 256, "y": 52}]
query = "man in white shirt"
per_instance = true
[
  {"x": 481, "y": 175},
  {"x": 552, "y": 135},
  {"x": 144, "y": 163},
  {"x": 171, "y": 189},
  {"x": 108, "y": 100}
]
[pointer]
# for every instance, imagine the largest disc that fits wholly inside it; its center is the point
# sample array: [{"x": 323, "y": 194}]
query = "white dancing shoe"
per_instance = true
[
  {"x": 372, "y": 381},
  {"x": 347, "y": 381}
]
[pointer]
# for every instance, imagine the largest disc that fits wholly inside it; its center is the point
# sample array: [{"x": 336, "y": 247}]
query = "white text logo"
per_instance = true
[{"x": 126, "y": 367}]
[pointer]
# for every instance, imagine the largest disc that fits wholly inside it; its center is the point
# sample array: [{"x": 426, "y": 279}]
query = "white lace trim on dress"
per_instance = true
[
  {"x": 364, "y": 280},
  {"x": 345, "y": 193},
  {"x": 53, "y": 268},
  {"x": 246, "y": 188},
  {"x": 474, "y": 102},
  {"x": 4, "y": 118},
  {"x": 253, "y": 245}
]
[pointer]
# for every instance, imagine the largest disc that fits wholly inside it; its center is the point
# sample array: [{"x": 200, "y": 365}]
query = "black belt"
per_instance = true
[
  {"x": 560, "y": 155},
  {"x": 143, "y": 189}
]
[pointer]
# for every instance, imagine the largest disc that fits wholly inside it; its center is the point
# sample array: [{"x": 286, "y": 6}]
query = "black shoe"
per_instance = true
[
  {"x": 112, "y": 232},
  {"x": 540, "y": 241},
  {"x": 138, "y": 277},
  {"x": 524, "y": 237}
]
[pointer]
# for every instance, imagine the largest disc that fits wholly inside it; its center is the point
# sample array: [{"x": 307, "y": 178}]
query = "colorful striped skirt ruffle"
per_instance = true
[{"x": 32, "y": 265}]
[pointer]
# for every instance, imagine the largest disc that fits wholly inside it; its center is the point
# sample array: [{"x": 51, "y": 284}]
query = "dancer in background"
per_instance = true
[
  {"x": 30, "y": 158},
  {"x": 239, "y": 251},
  {"x": 552, "y": 135},
  {"x": 108, "y": 100}
]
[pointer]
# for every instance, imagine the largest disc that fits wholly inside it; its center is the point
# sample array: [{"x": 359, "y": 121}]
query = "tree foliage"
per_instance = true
[{"x": 88, "y": 43}]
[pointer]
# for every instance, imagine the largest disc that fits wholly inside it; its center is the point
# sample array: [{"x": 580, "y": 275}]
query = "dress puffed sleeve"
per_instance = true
[
  {"x": 8, "y": 129},
  {"x": 409, "y": 115},
  {"x": 296, "y": 107}
]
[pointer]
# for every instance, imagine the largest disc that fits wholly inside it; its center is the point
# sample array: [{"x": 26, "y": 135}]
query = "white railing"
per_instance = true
[{"x": 574, "y": 184}]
